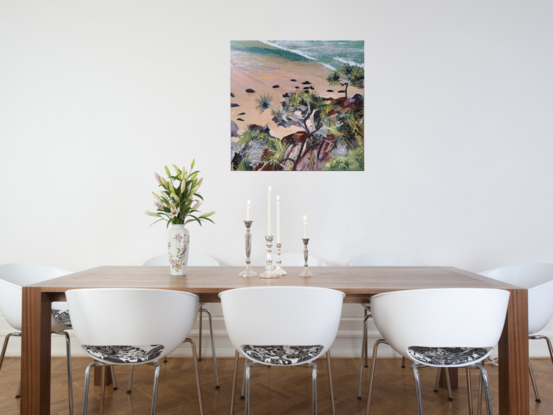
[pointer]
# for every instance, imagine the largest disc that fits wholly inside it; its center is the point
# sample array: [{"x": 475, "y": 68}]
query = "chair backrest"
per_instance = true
[
  {"x": 132, "y": 317},
  {"x": 13, "y": 277},
  {"x": 289, "y": 260},
  {"x": 449, "y": 317},
  {"x": 195, "y": 259},
  {"x": 385, "y": 260},
  {"x": 283, "y": 316},
  {"x": 538, "y": 279}
]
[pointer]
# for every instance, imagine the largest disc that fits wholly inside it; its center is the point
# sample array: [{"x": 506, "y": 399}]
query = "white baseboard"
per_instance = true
[{"x": 347, "y": 344}]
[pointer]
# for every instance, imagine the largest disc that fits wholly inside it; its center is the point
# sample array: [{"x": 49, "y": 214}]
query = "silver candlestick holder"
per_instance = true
[
  {"x": 269, "y": 269},
  {"x": 278, "y": 268},
  {"x": 248, "y": 272},
  {"x": 305, "y": 273}
]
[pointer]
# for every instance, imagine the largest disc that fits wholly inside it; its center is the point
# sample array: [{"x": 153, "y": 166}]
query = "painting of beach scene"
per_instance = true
[{"x": 297, "y": 105}]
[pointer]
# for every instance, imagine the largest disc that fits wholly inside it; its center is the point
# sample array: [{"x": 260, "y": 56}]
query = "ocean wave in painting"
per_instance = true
[{"x": 331, "y": 54}]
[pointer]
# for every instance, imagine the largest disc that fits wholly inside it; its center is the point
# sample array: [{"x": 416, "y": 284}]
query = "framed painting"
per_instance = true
[{"x": 297, "y": 105}]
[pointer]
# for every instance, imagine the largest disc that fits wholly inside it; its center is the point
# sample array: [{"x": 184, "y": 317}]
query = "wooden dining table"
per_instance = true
[{"x": 358, "y": 283}]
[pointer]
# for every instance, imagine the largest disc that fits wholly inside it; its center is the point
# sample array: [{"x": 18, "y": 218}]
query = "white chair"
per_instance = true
[
  {"x": 195, "y": 259},
  {"x": 446, "y": 339},
  {"x": 135, "y": 327},
  {"x": 277, "y": 326},
  {"x": 12, "y": 279},
  {"x": 290, "y": 260},
  {"x": 538, "y": 279},
  {"x": 379, "y": 260}
]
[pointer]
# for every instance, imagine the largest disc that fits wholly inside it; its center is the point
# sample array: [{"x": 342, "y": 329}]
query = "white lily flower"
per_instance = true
[
  {"x": 197, "y": 205},
  {"x": 174, "y": 211}
]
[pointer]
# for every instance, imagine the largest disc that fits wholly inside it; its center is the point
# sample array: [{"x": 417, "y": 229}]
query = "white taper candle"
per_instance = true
[
  {"x": 248, "y": 211},
  {"x": 269, "y": 213},
  {"x": 305, "y": 227},
  {"x": 278, "y": 219}
]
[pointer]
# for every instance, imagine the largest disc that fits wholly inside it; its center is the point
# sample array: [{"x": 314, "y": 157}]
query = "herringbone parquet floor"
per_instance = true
[{"x": 275, "y": 391}]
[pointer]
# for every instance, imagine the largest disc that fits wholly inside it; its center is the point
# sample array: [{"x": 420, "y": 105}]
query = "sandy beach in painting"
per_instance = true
[
  {"x": 266, "y": 69},
  {"x": 261, "y": 74}
]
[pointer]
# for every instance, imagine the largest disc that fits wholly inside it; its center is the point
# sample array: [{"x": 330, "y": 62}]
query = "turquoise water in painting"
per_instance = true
[{"x": 331, "y": 53}]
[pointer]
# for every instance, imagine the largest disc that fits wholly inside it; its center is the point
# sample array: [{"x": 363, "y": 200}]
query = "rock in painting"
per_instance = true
[
  {"x": 233, "y": 129},
  {"x": 250, "y": 91},
  {"x": 276, "y": 86},
  {"x": 233, "y": 105}
]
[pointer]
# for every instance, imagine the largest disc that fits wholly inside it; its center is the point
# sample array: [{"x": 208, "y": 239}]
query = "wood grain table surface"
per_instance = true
[{"x": 358, "y": 283}]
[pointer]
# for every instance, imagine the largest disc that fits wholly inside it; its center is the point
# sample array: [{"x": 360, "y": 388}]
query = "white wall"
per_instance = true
[{"x": 96, "y": 96}]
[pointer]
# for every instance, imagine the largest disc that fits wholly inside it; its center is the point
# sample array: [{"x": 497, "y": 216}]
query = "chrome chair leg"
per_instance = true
[
  {"x": 198, "y": 384},
  {"x": 366, "y": 339},
  {"x": 243, "y": 394},
  {"x": 156, "y": 384},
  {"x": 314, "y": 381},
  {"x": 533, "y": 381},
  {"x": 247, "y": 373},
  {"x": 234, "y": 378},
  {"x": 484, "y": 374},
  {"x": 371, "y": 378},
  {"x": 103, "y": 390},
  {"x": 469, "y": 390},
  {"x": 330, "y": 382},
  {"x": 129, "y": 390},
  {"x": 448, "y": 383},
  {"x": 69, "y": 376},
  {"x": 363, "y": 356},
  {"x": 200, "y": 335},
  {"x": 418, "y": 386},
  {"x": 86, "y": 386},
  {"x": 4, "y": 348},
  {"x": 449, "y": 395},
  {"x": 437, "y": 386},
  {"x": 213, "y": 348},
  {"x": 480, "y": 384},
  {"x": 113, "y": 378}
]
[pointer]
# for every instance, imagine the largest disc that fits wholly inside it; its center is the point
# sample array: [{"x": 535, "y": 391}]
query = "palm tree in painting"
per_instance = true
[
  {"x": 306, "y": 110},
  {"x": 348, "y": 75}
]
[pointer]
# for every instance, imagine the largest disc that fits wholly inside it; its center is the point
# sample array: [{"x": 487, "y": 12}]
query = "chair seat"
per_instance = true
[
  {"x": 282, "y": 355},
  {"x": 62, "y": 317},
  {"x": 446, "y": 356},
  {"x": 125, "y": 354}
]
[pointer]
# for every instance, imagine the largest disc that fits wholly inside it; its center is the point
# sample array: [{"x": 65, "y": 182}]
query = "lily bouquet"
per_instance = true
[{"x": 179, "y": 200}]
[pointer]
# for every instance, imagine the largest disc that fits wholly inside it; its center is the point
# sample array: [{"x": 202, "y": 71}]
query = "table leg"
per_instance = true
[
  {"x": 514, "y": 389},
  {"x": 35, "y": 352},
  {"x": 98, "y": 376},
  {"x": 453, "y": 378}
]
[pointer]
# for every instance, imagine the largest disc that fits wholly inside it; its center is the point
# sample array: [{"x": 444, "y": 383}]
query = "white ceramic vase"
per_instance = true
[{"x": 178, "y": 245}]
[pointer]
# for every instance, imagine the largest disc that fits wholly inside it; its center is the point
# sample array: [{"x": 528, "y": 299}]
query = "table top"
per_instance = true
[{"x": 358, "y": 283}]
